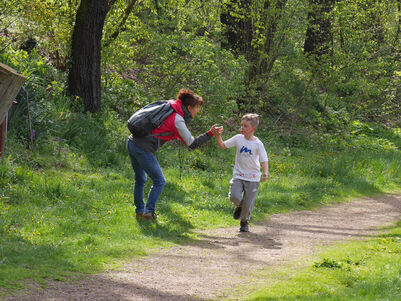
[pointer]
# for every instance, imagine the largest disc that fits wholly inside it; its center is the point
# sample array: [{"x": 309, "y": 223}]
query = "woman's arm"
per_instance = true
[
  {"x": 187, "y": 137},
  {"x": 214, "y": 130}
]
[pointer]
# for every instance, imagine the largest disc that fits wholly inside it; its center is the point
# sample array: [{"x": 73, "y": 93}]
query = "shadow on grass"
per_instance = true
[
  {"x": 177, "y": 228},
  {"x": 21, "y": 259},
  {"x": 42, "y": 260},
  {"x": 277, "y": 197}
]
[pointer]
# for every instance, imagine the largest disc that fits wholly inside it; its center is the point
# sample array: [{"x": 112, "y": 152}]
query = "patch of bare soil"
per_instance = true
[{"x": 225, "y": 258}]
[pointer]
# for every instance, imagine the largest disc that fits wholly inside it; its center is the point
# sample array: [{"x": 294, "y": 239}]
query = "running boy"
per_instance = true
[{"x": 250, "y": 155}]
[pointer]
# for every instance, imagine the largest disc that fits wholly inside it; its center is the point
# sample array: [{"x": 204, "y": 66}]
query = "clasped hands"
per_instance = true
[{"x": 216, "y": 130}]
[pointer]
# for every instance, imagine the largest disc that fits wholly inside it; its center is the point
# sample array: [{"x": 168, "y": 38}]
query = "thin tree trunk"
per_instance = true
[
  {"x": 397, "y": 35},
  {"x": 265, "y": 64},
  {"x": 318, "y": 34}
]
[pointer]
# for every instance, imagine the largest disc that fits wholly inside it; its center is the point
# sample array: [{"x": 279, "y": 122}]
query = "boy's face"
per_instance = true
[{"x": 246, "y": 128}]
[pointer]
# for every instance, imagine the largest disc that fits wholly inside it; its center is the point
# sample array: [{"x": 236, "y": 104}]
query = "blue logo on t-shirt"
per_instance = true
[{"x": 244, "y": 149}]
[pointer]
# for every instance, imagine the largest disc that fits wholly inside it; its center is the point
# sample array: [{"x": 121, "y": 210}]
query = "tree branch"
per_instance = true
[
  {"x": 121, "y": 26},
  {"x": 111, "y": 3}
]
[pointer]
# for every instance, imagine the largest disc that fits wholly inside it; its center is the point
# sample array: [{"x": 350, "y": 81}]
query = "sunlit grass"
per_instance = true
[
  {"x": 363, "y": 270},
  {"x": 60, "y": 214}
]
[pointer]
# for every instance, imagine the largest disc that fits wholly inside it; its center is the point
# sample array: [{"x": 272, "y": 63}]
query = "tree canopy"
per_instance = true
[{"x": 304, "y": 64}]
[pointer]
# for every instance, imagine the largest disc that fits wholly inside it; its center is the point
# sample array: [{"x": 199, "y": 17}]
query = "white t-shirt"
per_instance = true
[{"x": 249, "y": 155}]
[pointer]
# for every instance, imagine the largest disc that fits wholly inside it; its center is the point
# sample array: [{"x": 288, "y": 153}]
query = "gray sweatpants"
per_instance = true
[{"x": 243, "y": 193}]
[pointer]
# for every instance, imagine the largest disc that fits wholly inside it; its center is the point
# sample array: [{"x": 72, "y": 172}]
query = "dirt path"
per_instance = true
[{"x": 223, "y": 258}]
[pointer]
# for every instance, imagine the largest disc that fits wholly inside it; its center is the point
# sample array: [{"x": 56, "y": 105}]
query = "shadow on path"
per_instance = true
[{"x": 224, "y": 259}]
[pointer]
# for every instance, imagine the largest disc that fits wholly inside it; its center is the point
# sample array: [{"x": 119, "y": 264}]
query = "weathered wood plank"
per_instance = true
[{"x": 10, "y": 83}]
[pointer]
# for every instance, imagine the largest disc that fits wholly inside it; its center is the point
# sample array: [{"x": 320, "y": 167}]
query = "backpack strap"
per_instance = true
[{"x": 158, "y": 141}]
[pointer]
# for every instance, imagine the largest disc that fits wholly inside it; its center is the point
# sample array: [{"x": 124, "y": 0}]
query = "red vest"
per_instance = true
[{"x": 168, "y": 124}]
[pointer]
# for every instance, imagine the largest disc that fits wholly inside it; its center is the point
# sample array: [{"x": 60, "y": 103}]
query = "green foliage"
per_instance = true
[
  {"x": 362, "y": 77},
  {"x": 358, "y": 80},
  {"x": 358, "y": 135},
  {"x": 57, "y": 128},
  {"x": 68, "y": 205},
  {"x": 328, "y": 263},
  {"x": 177, "y": 61},
  {"x": 48, "y": 22},
  {"x": 331, "y": 127},
  {"x": 163, "y": 46},
  {"x": 364, "y": 270}
]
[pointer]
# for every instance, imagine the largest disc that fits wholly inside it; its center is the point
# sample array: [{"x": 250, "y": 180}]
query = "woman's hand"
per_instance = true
[{"x": 216, "y": 131}]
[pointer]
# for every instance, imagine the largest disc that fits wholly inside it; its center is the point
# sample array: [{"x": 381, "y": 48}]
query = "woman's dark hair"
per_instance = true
[{"x": 189, "y": 98}]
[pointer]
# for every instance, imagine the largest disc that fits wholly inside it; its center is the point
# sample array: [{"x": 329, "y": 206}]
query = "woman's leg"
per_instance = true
[
  {"x": 148, "y": 162},
  {"x": 140, "y": 178},
  {"x": 152, "y": 168}
]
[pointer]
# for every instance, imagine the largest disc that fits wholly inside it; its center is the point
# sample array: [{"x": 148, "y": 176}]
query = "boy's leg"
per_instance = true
[
  {"x": 248, "y": 200},
  {"x": 235, "y": 194}
]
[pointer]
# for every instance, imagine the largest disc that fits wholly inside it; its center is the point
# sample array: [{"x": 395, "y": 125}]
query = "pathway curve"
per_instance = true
[{"x": 224, "y": 258}]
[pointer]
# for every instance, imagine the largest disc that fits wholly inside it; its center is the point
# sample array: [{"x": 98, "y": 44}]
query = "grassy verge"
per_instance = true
[
  {"x": 64, "y": 211},
  {"x": 363, "y": 270}
]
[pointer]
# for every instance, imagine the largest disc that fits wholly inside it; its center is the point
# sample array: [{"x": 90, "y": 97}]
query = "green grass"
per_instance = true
[
  {"x": 362, "y": 270},
  {"x": 65, "y": 211}
]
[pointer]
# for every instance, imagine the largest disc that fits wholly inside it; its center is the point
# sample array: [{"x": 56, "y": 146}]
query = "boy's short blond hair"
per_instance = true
[{"x": 252, "y": 118}]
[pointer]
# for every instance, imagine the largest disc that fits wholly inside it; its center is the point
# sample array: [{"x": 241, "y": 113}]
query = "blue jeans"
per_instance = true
[{"x": 145, "y": 163}]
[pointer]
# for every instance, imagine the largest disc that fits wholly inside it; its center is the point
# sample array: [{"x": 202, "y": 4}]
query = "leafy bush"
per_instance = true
[
  {"x": 328, "y": 263},
  {"x": 175, "y": 61}
]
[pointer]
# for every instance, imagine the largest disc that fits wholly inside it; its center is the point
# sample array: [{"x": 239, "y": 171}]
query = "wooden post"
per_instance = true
[
  {"x": 10, "y": 83},
  {"x": 2, "y": 135}
]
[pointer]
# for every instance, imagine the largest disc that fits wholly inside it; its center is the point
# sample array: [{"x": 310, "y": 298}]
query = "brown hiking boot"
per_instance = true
[{"x": 149, "y": 216}]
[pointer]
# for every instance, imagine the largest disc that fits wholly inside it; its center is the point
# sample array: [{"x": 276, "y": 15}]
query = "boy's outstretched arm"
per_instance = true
[
  {"x": 219, "y": 141},
  {"x": 265, "y": 167}
]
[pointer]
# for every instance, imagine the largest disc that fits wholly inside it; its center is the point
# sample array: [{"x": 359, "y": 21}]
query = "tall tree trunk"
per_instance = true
[
  {"x": 318, "y": 34},
  {"x": 84, "y": 73}
]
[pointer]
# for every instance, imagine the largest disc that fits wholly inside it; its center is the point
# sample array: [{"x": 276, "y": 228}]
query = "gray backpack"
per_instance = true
[{"x": 143, "y": 121}]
